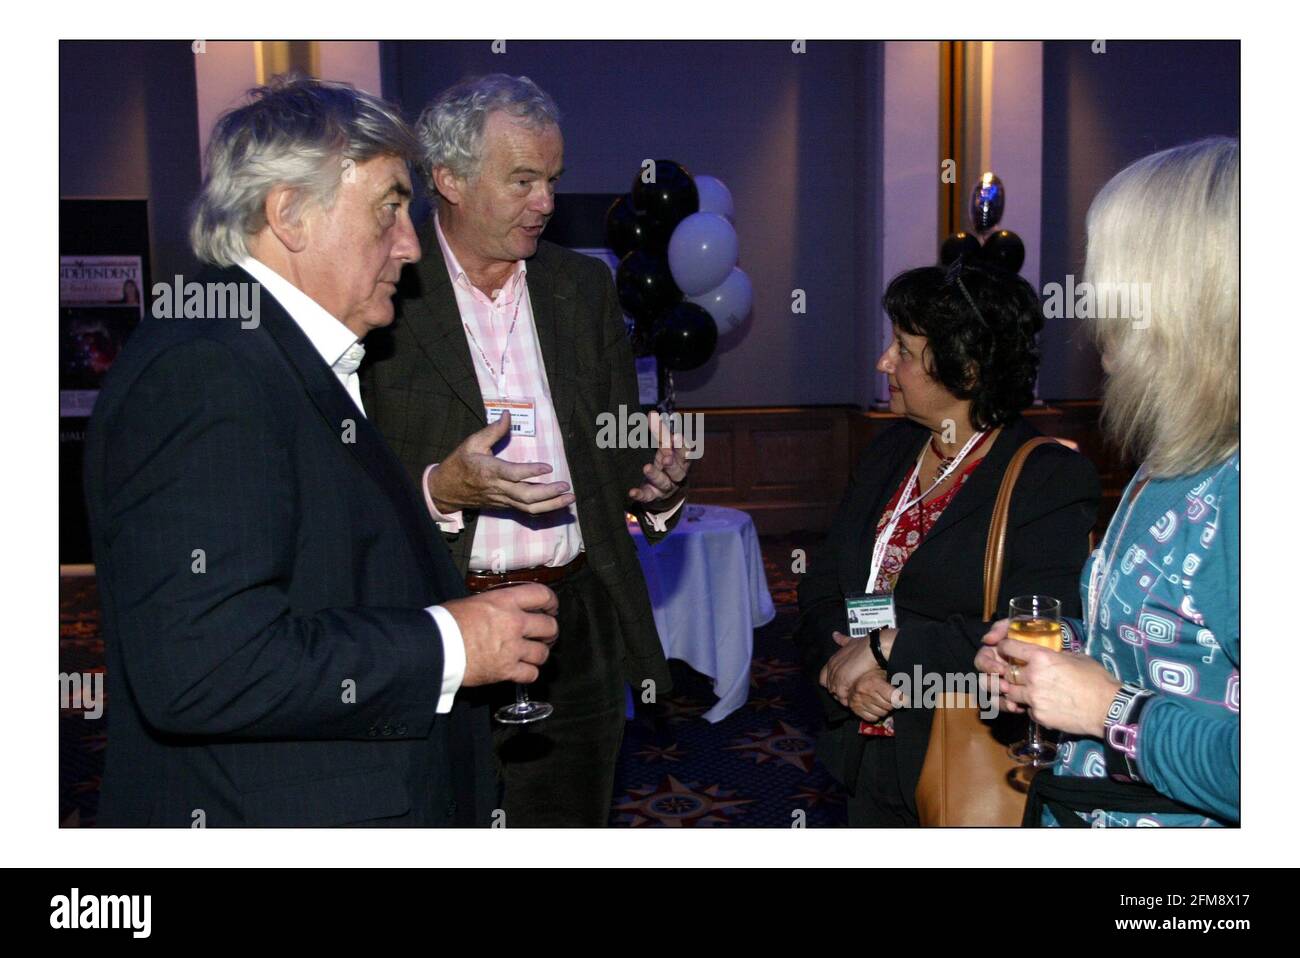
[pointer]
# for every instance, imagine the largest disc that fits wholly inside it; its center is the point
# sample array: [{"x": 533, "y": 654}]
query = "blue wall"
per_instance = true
[{"x": 1102, "y": 111}]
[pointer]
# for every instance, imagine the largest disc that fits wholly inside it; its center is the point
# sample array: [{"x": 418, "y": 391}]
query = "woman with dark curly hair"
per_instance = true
[{"x": 905, "y": 552}]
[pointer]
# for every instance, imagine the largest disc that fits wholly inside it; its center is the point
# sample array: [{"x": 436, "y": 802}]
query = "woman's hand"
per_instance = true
[
  {"x": 873, "y": 697},
  {"x": 989, "y": 662},
  {"x": 845, "y": 667},
  {"x": 1061, "y": 690}
]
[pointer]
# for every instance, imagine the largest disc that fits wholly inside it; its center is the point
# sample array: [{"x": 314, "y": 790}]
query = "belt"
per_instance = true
[{"x": 545, "y": 574}]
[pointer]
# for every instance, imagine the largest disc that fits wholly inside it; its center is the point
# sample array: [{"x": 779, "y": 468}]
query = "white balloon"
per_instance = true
[
  {"x": 701, "y": 252},
  {"x": 728, "y": 303},
  {"x": 715, "y": 197}
]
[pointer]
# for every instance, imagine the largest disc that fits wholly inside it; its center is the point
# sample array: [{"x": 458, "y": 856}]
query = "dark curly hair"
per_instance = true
[{"x": 982, "y": 349}]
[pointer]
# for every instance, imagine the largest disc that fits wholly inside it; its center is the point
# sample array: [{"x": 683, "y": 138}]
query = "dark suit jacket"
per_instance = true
[
  {"x": 418, "y": 384},
  {"x": 228, "y": 673},
  {"x": 939, "y": 596}
]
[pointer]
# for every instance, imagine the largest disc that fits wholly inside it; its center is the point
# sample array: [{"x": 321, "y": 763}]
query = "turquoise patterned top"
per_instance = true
[{"x": 1168, "y": 620}]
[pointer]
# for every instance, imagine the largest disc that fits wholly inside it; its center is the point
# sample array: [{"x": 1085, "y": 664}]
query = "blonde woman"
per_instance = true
[{"x": 1150, "y": 713}]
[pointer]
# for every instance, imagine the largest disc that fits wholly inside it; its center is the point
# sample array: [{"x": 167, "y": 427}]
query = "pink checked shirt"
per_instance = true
[{"x": 508, "y": 539}]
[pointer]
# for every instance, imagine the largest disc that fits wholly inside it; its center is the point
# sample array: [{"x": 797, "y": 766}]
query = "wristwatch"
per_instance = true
[
  {"x": 1121, "y": 731},
  {"x": 873, "y": 638}
]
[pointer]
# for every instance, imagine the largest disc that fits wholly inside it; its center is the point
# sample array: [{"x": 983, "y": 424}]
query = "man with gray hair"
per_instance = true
[
  {"x": 507, "y": 351},
  {"x": 287, "y": 637}
]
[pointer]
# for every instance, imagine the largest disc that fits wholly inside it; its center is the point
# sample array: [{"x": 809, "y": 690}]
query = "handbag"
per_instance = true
[{"x": 966, "y": 778}]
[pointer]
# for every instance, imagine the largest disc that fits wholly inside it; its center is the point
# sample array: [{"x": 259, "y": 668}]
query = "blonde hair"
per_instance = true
[{"x": 1168, "y": 226}]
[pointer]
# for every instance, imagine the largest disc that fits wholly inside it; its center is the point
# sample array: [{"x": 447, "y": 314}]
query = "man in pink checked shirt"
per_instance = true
[{"x": 489, "y": 387}]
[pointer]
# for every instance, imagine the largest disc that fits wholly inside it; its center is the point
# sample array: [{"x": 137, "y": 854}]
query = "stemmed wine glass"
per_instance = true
[
  {"x": 524, "y": 710},
  {"x": 1035, "y": 619}
]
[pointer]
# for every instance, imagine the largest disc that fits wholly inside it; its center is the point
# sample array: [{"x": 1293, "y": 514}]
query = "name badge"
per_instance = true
[
  {"x": 523, "y": 414},
  {"x": 869, "y": 611}
]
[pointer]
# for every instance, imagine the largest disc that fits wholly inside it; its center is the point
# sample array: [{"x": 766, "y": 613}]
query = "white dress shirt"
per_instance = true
[{"x": 341, "y": 351}]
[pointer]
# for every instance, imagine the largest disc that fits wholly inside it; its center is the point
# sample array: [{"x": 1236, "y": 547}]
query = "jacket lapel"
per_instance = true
[
  {"x": 854, "y": 579},
  {"x": 431, "y": 315},
  {"x": 554, "y": 300},
  {"x": 341, "y": 415}
]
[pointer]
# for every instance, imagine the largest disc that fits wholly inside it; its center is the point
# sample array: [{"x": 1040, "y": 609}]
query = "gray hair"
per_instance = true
[
  {"x": 1170, "y": 222},
  {"x": 297, "y": 132},
  {"x": 450, "y": 129}
]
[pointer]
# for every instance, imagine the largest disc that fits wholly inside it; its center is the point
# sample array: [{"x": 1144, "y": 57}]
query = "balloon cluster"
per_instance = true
[
  {"x": 1001, "y": 248},
  {"x": 677, "y": 275}
]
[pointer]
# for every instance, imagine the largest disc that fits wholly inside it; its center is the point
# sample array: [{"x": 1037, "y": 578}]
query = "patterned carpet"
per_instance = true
[{"x": 755, "y": 769}]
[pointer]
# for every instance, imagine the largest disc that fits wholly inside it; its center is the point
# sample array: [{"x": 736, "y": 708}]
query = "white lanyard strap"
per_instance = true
[
  {"x": 882, "y": 540},
  {"x": 498, "y": 379}
]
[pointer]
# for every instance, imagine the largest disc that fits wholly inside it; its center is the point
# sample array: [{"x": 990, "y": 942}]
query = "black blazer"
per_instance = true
[
  {"x": 264, "y": 563},
  {"x": 419, "y": 385},
  {"x": 939, "y": 595}
]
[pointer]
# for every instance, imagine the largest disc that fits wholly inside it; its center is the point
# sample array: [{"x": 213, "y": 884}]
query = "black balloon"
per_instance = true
[
  {"x": 1005, "y": 249},
  {"x": 664, "y": 203},
  {"x": 959, "y": 244},
  {"x": 684, "y": 338},
  {"x": 624, "y": 227},
  {"x": 645, "y": 286},
  {"x": 987, "y": 200}
]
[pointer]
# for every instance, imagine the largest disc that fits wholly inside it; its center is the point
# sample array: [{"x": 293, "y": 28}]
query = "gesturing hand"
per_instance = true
[
  {"x": 473, "y": 478},
  {"x": 665, "y": 475}
]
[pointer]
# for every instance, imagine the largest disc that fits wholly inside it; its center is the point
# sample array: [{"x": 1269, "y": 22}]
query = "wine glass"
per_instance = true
[
  {"x": 1035, "y": 619},
  {"x": 524, "y": 710}
]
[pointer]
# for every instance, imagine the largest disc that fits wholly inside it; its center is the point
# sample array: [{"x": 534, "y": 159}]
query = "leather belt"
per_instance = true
[{"x": 545, "y": 574}]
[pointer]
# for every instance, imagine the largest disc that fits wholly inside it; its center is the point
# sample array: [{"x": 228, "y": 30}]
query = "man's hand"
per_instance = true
[
  {"x": 472, "y": 478},
  {"x": 507, "y": 632},
  {"x": 665, "y": 475}
]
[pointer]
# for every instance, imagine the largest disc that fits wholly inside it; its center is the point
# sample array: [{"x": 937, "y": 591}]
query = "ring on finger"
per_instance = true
[{"x": 1015, "y": 675}]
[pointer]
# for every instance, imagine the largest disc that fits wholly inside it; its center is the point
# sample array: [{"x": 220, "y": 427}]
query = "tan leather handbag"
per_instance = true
[{"x": 965, "y": 779}]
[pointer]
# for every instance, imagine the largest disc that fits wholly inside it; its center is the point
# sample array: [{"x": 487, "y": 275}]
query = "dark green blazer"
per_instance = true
[{"x": 419, "y": 387}]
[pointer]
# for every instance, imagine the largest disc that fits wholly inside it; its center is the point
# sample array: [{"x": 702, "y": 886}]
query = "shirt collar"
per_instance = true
[
  {"x": 327, "y": 334},
  {"x": 458, "y": 274}
]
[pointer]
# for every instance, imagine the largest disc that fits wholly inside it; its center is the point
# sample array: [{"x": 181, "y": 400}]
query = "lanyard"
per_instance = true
[
  {"x": 498, "y": 380},
  {"x": 1102, "y": 564},
  {"x": 882, "y": 540}
]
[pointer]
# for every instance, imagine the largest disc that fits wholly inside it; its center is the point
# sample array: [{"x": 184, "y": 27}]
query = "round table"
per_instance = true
[{"x": 709, "y": 594}]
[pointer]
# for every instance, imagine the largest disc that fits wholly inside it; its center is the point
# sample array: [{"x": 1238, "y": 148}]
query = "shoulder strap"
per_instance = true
[{"x": 994, "y": 551}]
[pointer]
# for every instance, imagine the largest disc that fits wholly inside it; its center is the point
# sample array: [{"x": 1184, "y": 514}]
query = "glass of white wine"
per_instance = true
[{"x": 1035, "y": 619}]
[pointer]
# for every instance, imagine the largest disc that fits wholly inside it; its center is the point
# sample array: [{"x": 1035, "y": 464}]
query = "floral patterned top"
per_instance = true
[{"x": 913, "y": 525}]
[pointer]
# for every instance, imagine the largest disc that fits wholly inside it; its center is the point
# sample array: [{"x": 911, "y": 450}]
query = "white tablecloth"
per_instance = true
[{"x": 709, "y": 594}]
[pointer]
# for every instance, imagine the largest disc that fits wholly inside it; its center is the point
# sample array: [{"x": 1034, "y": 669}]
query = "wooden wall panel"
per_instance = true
[{"x": 788, "y": 466}]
